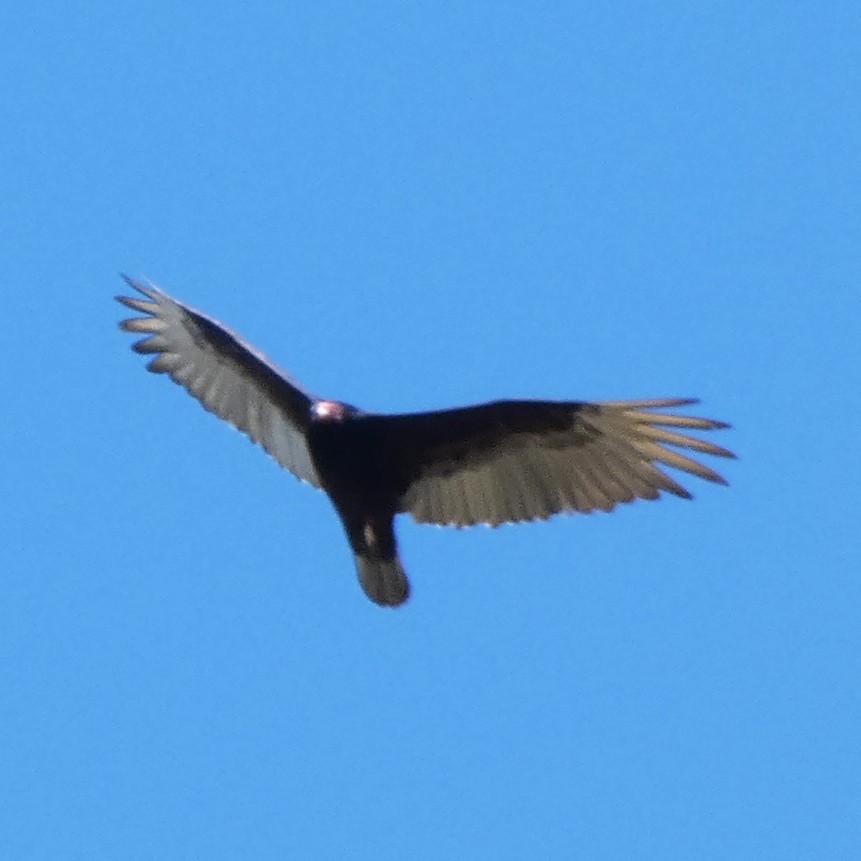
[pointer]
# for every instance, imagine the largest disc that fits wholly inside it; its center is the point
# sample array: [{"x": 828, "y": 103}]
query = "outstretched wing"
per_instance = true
[
  {"x": 226, "y": 375},
  {"x": 513, "y": 461}
]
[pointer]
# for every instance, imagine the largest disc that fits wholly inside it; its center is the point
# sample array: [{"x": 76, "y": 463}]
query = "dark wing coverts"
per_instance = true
[
  {"x": 228, "y": 376},
  {"x": 513, "y": 461}
]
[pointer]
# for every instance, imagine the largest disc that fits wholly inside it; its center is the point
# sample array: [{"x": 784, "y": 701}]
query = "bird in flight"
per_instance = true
[{"x": 501, "y": 462}]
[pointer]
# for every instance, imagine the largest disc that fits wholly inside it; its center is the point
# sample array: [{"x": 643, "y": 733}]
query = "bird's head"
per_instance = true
[{"x": 329, "y": 411}]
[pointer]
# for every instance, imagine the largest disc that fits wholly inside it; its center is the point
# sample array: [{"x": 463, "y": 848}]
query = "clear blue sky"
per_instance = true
[{"x": 411, "y": 206}]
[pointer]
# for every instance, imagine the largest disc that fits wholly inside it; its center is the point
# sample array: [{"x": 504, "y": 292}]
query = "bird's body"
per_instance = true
[
  {"x": 501, "y": 462},
  {"x": 350, "y": 458}
]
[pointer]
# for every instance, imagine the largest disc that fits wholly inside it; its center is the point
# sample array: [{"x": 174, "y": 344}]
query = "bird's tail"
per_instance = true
[{"x": 383, "y": 580}]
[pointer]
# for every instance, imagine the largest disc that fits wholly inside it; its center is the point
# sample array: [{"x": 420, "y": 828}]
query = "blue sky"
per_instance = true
[{"x": 412, "y": 206}]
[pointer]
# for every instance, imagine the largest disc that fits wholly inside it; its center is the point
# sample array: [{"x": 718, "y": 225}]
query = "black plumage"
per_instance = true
[{"x": 500, "y": 462}]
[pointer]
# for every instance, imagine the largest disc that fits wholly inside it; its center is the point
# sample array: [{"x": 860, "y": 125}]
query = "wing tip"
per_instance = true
[{"x": 143, "y": 286}]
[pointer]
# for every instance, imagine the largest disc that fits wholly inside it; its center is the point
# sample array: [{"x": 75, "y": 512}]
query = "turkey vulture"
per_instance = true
[{"x": 500, "y": 462}]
